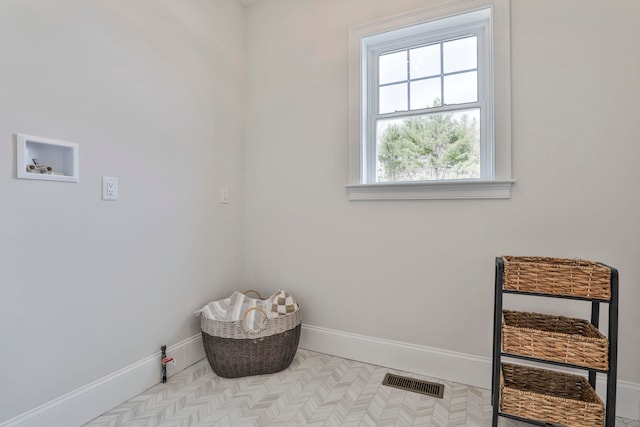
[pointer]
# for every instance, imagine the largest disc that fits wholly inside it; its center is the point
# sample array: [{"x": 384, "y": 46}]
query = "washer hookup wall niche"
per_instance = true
[{"x": 46, "y": 159}]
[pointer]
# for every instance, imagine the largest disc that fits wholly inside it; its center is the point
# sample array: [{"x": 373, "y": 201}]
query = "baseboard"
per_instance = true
[
  {"x": 452, "y": 366},
  {"x": 89, "y": 401},
  {"x": 437, "y": 363},
  {"x": 628, "y": 400}
]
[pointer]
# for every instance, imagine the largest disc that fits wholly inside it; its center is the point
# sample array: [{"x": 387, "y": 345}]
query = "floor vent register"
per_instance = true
[{"x": 411, "y": 384}]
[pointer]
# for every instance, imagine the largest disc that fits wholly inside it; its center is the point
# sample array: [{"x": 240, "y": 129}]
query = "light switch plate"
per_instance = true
[{"x": 224, "y": 194}]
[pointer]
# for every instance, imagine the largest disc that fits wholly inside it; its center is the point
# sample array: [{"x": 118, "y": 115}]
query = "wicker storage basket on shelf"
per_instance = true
[
  {"x": 557, "y": 276},
  {"x": 555, "y": 338},
  {"x": 548, "y": 396},
  {"x": 233, "y": 351}
]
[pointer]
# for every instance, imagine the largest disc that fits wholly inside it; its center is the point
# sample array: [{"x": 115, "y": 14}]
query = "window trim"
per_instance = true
[{"x": 497, "y": 183}]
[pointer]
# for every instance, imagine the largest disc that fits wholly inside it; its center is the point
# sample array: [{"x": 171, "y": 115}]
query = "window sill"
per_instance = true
[{"x": 440, "y": 190}]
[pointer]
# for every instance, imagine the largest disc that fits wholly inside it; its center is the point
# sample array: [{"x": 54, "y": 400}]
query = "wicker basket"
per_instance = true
[
  {"x": 550, "y": 397},
  {"x": 233, "y": 351},
  {"x": 555, "y": 338},
  {"x": 557, "y": 276}
]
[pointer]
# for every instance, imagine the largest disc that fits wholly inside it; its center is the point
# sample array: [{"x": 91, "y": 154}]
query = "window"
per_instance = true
[
  {"x": 427, "y": 111},
  {"x": 429, "y": 117}
]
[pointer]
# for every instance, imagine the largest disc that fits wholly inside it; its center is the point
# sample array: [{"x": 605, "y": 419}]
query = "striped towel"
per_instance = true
[{"x": 232, "y": 309}]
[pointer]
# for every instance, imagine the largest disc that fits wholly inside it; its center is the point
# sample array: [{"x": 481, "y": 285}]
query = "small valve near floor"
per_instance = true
[{"x": 165, "y": 361}]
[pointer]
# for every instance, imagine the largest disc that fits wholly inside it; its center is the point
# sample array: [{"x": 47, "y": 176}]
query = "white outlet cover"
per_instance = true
[{"x": 109, "y": 188}]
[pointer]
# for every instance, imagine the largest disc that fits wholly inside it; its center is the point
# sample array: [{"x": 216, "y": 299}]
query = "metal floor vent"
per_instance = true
[{"x": 411, "y": 384}]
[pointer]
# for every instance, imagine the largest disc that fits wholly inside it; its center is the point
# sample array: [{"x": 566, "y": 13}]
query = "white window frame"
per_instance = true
[{"x": 443, "y": 20}]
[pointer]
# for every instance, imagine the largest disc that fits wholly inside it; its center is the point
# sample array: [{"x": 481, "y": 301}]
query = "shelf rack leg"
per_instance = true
[
  {"x": 595, "y": 320},
  {"x": 497, "y": 345},
  {"x": 612, "y": 375}
]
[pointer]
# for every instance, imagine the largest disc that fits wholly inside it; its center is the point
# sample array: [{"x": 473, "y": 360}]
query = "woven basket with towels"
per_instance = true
[{"x": 245, "y": 336}]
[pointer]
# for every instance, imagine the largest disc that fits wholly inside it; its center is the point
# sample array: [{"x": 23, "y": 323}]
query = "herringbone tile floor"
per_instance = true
[{"x": 316, "y": 390}]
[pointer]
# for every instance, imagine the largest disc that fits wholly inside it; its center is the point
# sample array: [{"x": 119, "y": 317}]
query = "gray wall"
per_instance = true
[
  {"x": 422, "y": 271},
  {"x": 151, "y": 91}
]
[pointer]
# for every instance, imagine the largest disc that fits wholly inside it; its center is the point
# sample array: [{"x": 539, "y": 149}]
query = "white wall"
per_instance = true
[
  {"x": 151, "y": 91},
  {"x": 422, "y": 272}
]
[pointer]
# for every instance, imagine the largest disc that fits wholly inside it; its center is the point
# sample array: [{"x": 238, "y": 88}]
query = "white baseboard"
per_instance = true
[
  {"x": 432, "y": 362},
  {"x": 448, "y": 365},
  {"x": 628, "y": 400},
  {"x": 89, "y": 401}
]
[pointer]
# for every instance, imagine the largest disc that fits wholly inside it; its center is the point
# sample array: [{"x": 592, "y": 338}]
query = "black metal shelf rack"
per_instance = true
[{"x": 612, "y": 336}]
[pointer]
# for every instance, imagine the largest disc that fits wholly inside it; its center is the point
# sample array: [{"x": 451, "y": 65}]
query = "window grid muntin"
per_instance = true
[{"x": 441, "y": 75}]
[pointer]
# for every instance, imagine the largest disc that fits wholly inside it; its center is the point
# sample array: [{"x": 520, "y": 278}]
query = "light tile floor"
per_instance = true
[{"x": 316, "y": 390}]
